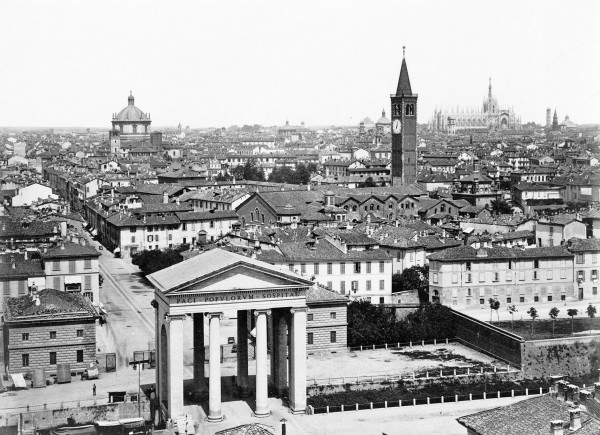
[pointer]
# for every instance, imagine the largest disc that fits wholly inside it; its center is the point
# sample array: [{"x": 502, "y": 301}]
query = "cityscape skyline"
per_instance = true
[{"x": 257, "y": 64}]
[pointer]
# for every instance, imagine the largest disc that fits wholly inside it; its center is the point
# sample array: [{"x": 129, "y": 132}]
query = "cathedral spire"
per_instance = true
[
  {"x": 490, "y": 89},
  {"x": 403, "y": 81}
]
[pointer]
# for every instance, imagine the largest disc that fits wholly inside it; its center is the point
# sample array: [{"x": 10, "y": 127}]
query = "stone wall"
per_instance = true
[
  {"x": 561, "y": 356},
  {"x": 39, "y": 345}
]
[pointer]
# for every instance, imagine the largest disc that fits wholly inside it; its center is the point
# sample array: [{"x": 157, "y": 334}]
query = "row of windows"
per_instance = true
[
  {"x": 357, "y": 267},
  {"x": 87, "y": 264},
  {"x": 580, "y": 258},
  {"x": 372, "y": 207},
  {"x": 332, "y": 315},
  {"x": 52, "y": 358},
  {"x": 536, "y": 275},
  {"x": 25, "y": 335},
  {"x": 581, "y": 275}
]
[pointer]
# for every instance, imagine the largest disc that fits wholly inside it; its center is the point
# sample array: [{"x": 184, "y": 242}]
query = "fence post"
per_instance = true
[
  {"x": 410, "y": 343},
  {"x": 414, "y": 401},
  {"x": 442, "y": 399},
  {"x": 361, "y": 348},
  {"x": 456, "y": 397},
  {"x": 498, "y": 394},
  {"x": 470, "y": 396},
  {"x": 507, "y": 368},
  {"x": 427, "y": 374},
  {"x": 386, "y": 345},
  {"x": 342, "y": 408},
  {"x": 484, "y": 395},
  {"x": 446, "y": 341},
  {"x": 494, "y": 369},
  {"x": 441, "y": 373},
  {"x": 398, "y": 345},
  {"x": 468, "y": 371},
  {"x": 371, "y": 405},
  {"x": 428, "y": 400},
  {"x": 400, "y": 403},
  {"x": 454, "y": 372},
  {"x": 357, "y": 406},
  {"x": 385, "y": 403},
  {"x": 373, "y": 347},
  {"x": 413, "y": 376},
  {"x": 327, "y": 409},
  {"x": 512, "y": 393},
  {"x": 540, "y": 390},
  {"x": 435, "y": 341},
  {"x": 422, "y": 343},
  {"x": 527, "y": 391}
]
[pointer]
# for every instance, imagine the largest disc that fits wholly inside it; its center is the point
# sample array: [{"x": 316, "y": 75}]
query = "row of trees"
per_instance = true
[
  {"x": 155, "y": 260},
  {"x": 374, "y": 324}
]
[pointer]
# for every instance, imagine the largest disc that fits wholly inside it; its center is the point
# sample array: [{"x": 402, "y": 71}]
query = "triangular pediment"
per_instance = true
[{"x": 238, "y": 277}]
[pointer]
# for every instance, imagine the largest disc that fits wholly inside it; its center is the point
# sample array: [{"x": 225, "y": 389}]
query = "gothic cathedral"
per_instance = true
[{"x": 404, "y": 131}]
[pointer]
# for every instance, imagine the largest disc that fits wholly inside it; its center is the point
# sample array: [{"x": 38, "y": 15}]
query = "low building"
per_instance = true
[
  {"x": 326, "y": 320},
  {"x": 47, "y": 328},
  {"x": 556, "y": 230}
]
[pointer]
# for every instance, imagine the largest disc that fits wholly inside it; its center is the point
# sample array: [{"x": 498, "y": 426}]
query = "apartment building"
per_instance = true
[
  {"x": 587, "y": 253},
  {"x": 465, "y": 276}
]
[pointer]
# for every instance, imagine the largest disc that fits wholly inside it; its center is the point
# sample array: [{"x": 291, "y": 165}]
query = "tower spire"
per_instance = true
[
  {"x": 490, "y": 88},
  {"x": 403, "y": 82}
]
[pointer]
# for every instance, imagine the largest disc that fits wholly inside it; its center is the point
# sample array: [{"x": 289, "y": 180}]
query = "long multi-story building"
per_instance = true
[{"x": 465, "y": 276}]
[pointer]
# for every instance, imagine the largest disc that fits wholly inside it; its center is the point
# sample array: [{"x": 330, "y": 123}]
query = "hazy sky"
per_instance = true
[{"x": 218, "y": 63}]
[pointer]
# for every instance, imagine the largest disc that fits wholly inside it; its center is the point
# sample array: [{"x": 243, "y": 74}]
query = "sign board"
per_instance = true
[{"x": 236, "y": 296}]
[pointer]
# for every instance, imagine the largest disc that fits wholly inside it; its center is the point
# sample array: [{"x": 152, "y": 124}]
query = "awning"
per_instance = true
[
  {"x": 18, "y": 380},
  {"x": 73, "y": 279}
]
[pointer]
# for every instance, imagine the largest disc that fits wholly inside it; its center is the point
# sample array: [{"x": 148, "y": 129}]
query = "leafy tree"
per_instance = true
[
  {"x": 416, "y": 277},
  {"x": 300, "y": 175},
  {"x": 572, "y": 312},
  {"x": 368, "y": 183},
  {"x": 248, "y": 172},
  {"x": 494, "y": 305},
  {"x": 154, "y": 260},
  {"x": 221, "y": 177},
  {"x": 533, "y": 314},
  {"x": 591, "y": 312},
  {"x": 512, "y": 310},
  {"x": 500, "y": 206},
  {"x": 553, "y": 315}
]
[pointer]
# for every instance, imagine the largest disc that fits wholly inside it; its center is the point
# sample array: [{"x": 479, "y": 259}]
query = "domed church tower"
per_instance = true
[{"x": 131, "y": 123}]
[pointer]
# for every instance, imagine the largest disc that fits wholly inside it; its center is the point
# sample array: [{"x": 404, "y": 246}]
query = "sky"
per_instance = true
[{"x": 220, "y": 63}]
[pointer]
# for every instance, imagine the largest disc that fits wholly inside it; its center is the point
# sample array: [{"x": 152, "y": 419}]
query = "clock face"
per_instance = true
[{"x": 397, "y": 126}]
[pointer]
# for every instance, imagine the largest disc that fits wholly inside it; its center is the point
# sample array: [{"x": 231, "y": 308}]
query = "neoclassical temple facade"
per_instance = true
[{"x": 208, "y": 285}]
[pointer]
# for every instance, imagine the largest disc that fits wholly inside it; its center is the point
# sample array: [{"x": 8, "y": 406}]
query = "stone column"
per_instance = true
[
  {"x": 242, "y": 352},
  {"x": 214, "y": 387},
  {"x": 262, "y": 391},
  {"x": 199, "y": 354},
  {"x": 298, "y": 361},
  {"x": 175, "y": 358},
  {"x": 279, "y": 354}
]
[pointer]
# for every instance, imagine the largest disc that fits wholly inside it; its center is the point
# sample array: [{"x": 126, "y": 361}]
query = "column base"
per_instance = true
[
  {"x": 299, "y": 411},
  {"x": 215, "y": 419},
  {"x": 261, "y": 415}
]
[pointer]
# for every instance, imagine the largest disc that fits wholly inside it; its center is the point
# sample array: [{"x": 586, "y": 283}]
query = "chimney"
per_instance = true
[
  {"x": 165, "y": 198},
  {"x": 12, "y": 262},
  {"x": 62, "y": 245},
  {"x": 575, "y": 418},
  {"x": 25, "y": 255},
  {"x": 556, "y": 427}
]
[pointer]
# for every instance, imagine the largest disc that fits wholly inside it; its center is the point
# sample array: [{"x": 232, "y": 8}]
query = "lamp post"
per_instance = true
[
  {"x": 139, "y": 369},
  {"x": 283, "y": 428}
]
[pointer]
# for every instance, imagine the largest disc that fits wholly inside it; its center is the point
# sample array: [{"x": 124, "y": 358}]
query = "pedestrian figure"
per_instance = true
[{"x": 94, "y": 389}]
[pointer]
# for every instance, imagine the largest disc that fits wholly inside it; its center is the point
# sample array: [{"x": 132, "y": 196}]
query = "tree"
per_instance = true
[
  {"x": 154, "y": 260},
  {"x": 591, "y": 312},
  {"x": 553, "y": 315},
  {"x": 494, "y": 305},
  {"x": 533, "y": 314},
  {"x": 368, "y": 183},
  {"x": 572, "y": 312},
  {"x": 413, "y": 278},
  {"x": 500, "y": 206},
  {"x": 512, "y": 310}
]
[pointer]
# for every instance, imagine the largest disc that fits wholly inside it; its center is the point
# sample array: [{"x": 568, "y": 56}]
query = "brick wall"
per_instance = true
[{"x": 39, "y": 345}]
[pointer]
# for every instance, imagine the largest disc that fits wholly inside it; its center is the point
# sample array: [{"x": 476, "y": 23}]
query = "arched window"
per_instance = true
[
  {"x": 251, "y": 216},
  {"x": 371, "y": 207},
  {"x": 354, "y": 208}
]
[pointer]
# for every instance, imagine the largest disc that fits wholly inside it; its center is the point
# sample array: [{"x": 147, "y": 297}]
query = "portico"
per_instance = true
[{"x": 208, "y": 285}]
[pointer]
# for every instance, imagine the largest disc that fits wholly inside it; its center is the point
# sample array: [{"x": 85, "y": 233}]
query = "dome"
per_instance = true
[
  {"x": 383, "y": 119},
  {"x": 131, "y": 112}
]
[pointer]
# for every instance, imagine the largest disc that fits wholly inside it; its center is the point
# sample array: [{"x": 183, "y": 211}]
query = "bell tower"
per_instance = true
[{"x": 404, "y": 130}]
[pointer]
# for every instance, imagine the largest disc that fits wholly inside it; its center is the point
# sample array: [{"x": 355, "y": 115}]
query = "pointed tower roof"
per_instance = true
[{"x": 403, "y": 81}]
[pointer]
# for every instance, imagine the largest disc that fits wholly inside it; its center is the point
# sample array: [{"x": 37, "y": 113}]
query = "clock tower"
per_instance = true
[{"x": 404, "y": 130}]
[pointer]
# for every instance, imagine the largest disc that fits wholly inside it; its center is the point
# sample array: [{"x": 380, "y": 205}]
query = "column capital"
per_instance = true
[
  {"x": 215, "y": 314},
  {"x": 259, "y": 312},
  {"x": 298, "y": 310},
  {"x": 170, "y": 317}
]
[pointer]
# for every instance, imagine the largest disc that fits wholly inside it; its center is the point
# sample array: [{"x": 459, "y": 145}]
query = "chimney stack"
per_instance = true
[
  {"x": 556, "y": 427},
  {"x": 165, "y": 198},
  {"x": 12, "y": 262},
  {"x": 575, "y": 418}
]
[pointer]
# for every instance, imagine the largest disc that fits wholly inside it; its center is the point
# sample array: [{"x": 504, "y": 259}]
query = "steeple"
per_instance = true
[
  {"x": 403, "y": 81},
  {"x": 130, "y": 98},
  {"x": 490, "y": 89}
]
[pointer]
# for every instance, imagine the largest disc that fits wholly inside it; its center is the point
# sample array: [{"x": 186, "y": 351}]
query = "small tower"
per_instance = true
[
  {"x": 548, "y": 118},
  {"x": 555, "y": 121}
]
